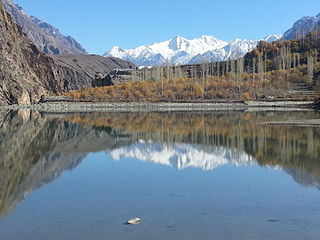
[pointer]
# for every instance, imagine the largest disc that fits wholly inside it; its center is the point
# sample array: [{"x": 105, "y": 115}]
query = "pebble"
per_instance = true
[{"x": 134, "y": 221}]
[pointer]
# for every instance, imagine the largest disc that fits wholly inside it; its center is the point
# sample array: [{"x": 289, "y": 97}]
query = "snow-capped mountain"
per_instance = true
[
  {"x": 183, "y": 156},
  {"x": 180, "y": 50}
]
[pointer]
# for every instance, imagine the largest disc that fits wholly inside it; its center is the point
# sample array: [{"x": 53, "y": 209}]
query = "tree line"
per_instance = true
[{"x": 271, "y": 70}]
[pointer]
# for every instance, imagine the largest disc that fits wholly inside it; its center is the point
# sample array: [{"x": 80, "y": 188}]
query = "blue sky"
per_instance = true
[{"x": 100, "y": 24}]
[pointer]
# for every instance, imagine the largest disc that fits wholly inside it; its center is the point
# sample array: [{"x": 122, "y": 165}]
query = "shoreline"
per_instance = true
[{"x": 69, "y": 107}]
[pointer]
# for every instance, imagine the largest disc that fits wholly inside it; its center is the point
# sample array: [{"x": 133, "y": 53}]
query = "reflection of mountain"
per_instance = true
[
  {"x": 195, "y": 137},
  {"x": 304, "y": 177},
  {"x": 43, "y": 172},
  {"x": 183, "y": 156},
  {"x": 35, "y": 151}
]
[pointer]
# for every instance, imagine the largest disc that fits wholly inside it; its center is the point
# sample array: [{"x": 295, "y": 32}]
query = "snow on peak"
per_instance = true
[
  {"x": 209, "y": 41},
  {"x": 117, "y": 52},
  {"x": 182, "y": 156},
  {"x": 272, "y": 38},
  {"x": 180, "y": 50},
  {"x": 179, "y": 44}
]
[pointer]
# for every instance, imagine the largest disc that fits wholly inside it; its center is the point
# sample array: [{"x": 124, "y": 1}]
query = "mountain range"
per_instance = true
[
  {"x": 175, "y": 51},
  {"x": 180, "y": 50},
  {"x": 47, "y": 38},
  {"x": 26, "y": 73}
]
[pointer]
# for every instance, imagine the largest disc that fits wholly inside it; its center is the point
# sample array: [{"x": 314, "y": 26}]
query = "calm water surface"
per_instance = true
[{"x": 187, "y": 175}]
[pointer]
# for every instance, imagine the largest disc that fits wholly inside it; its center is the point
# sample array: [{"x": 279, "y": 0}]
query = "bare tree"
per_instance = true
[{"x": 310, "y": 64}]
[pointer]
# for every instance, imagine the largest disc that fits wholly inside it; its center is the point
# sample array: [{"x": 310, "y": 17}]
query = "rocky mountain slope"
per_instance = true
[
  {"x": 78, "y": 71},
  {"x": 25, "y": 72},
  {"x": 302, "y": 27},
  {"x": 180, "y": 50},
  {"x": 46, "y": 37}
]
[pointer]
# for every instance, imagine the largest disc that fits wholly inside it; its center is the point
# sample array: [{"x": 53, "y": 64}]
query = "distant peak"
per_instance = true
[
  {"x": 178, "y": 43},
  {"x": 207, "y": 36},
  {"x": 114, "y": 51},
  {"x": 210, "y": 39},
  {"x": 272, "y": 37},
  {"x": 178, "y": 38},
  {"x": 243, "y": 40},
  {"x": 179, "y": 50},
  {"x": 116, "y": 48}
]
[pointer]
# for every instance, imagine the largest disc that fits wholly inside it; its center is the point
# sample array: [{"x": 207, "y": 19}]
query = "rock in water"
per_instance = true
[{"x": 134, "y": 221}]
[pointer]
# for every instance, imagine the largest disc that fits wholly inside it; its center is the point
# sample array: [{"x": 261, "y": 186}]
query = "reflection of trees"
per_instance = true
[
  {"x": 270, "y": 145},
  {"x": 35, "y": 151},
  {"x": 25, "y": 140}
]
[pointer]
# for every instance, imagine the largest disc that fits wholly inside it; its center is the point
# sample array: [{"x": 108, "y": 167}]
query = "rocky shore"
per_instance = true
[{"x": 65, "y": 107}]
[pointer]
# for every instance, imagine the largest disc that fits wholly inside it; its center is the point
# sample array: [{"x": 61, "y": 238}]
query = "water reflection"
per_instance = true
[
  {"x": 36, "y": 149},
  {"x": 207, "y": 140},
  {"x": 182, "y": 156}
]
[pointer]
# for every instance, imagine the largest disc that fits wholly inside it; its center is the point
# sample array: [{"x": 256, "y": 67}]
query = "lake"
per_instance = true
[{"x": 199, "y": 175}]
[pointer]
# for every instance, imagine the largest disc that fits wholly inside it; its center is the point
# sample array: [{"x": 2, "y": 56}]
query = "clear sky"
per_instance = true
[{"x": 100, "y": 24}]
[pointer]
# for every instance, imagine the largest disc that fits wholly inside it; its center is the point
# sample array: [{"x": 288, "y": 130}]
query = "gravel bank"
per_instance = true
[{"x": 163, "y": 107}]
